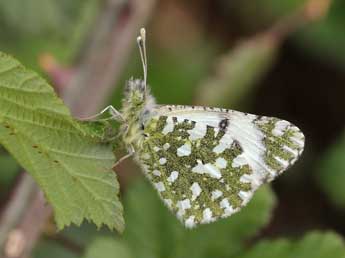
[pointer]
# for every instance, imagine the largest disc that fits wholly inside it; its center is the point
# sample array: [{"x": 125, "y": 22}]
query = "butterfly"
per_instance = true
[{"x": 205, "y": 163}]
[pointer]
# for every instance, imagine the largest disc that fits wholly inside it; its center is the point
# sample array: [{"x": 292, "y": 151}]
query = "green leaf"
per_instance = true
[
  {"x": 59, "y": 30},
  {"x": 106, "y": 247},
  {"x": 325, "y": 39},
  {"x": 228, "y": 236},
  {"x": 9, "y": 169},
  {"x": 52, "y": 249},
  {"x": 152, "y": 231},
  {"x": 53, "y": 15},
  {"x": 316, "y": 245},
  {"x": 71, "y": 161},
  {"x": 331, "y": 173}
]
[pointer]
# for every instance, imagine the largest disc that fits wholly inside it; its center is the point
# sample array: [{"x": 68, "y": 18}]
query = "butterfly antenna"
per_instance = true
[{"x": 141, "y": 40}]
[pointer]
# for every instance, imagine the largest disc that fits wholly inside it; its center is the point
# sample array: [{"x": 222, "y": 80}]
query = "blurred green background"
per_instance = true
[{"x": 277, "y": 58}]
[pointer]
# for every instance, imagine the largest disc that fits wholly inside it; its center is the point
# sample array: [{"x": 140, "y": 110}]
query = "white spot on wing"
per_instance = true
[
  {"x": 252, "y": 179},
  {"x": 280, "y": 127},
  {"x": 182, "y": 207},
  {"x": 298, "y": 134},
  {"x": 245, "y": 196},
  {"x": 212, "y": 171},
  {"x": 184, "y": 150},
  {"x": 283, "y": 162},
  {"x": 156, "y": 172},
  {"x": 228, "y": 209},
  {"x": 207, "y": 216},
  {"x": 179, "y": 119},
  {"x": 221, "y": 162},
  {"x": 173, "y": 176},
  {"x": 239, "y": 161},
  {"x": 190, "y": 222},
  {"x": 160, "y": 186},
  {"x": 198, "y": 132},
  {"x": 166, "y": 146},
  {"x": 162, "y": 161},
  {"x": 216, "y": 194},
  {"x": 220, "y": 147},
  {"x": 292, "y": 151},
  {"x": 208, "y": 168},
  {"x": 199, "y": 168},
  {"x": 168, "y": 202},
  {"x": 196, "y": 190},
  {"x": 298, "y": 141},
  {"x": 169, "y": 126}
]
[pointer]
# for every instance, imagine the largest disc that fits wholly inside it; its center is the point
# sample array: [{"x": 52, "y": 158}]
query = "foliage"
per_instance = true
[
  {"x": 8, "y": 171},
  {"x": 106, "y": 247},
  {"x": 152, "y": 231},
  {"x": 71, "y": 161},
  {"x": 59, "y": 29},
  {"x": 331, "y": 173},
  {"x": 316, "y": 245},
  {"x": 53, "y": 15},
  {"x": 325, "y": 39},
  {"x": 51, "y": 249}
]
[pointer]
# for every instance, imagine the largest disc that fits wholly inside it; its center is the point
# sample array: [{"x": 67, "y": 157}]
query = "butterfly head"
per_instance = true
[
  {"x": 138, "y": 102},
  {"x": 135, "y": 91},
  {"x": 136, "y": 108},
  {"x": 137, "y": 95}
]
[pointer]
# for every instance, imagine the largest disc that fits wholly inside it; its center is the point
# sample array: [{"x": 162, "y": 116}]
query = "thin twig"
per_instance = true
[
  {"x": 228, "y": 85},
  {"x": 97, "y": 71},
  {"x": 22, "y": 194}
]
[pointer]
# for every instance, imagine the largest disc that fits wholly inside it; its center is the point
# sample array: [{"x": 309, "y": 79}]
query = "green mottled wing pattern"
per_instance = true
[{"x": 207, "y": 163}]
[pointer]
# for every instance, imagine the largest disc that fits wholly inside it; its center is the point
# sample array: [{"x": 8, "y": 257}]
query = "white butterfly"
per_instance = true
[{"x": 205, "y": 163}]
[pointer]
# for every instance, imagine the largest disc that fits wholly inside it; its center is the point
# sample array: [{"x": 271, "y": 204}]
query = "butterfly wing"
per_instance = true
[{"x": 206, "y": 163}]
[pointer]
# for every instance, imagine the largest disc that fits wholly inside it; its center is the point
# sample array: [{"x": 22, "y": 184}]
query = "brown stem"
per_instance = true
[
  {"x": 106, "y": 56},
  {"x": 19, "y": 198},
  {"x": 97, "y": 71},
  {"x": 311, "y": 11}
]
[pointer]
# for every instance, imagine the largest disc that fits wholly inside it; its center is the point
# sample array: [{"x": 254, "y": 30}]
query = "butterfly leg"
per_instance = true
[
  {"x": 114, "y": 114},
  {"x": 130, "y": 153}
]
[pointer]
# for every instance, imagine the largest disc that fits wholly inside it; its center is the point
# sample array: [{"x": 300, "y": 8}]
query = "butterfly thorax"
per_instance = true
[{"x": 136, "y": 110}]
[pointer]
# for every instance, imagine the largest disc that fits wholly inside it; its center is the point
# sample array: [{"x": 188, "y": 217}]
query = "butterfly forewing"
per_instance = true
[{"x": 206, "y": 163}]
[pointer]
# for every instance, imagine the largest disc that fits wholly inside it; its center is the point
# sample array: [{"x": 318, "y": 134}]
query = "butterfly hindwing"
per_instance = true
[{"x": 206, "y": 163}]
